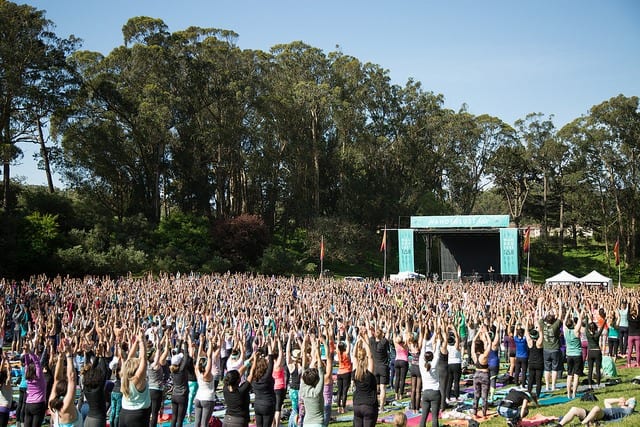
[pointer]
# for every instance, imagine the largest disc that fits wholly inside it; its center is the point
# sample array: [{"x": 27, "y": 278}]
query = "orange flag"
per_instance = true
[
  {"x": 527, "y": 240},
  {"x": 616, "y": 251},
  {"x": 383, "y": 245},
  {"x": 322, "y": 248}
]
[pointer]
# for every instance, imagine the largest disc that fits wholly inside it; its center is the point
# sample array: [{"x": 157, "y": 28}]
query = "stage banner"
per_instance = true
[
  {"x": 460, "y": 221},
  {"x": 509, "y": 251},
  {"x": 405, "y": 252}
]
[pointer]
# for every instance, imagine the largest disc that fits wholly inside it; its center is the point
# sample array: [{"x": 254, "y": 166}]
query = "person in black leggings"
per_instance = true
[
  {"x": 594, "y": 357},
  {"x": 180, "y": 393},
  {"x": 536, "y": 360},
  {"x": 263, "y": 383}
]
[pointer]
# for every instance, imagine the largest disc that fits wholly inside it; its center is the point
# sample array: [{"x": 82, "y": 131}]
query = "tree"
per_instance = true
[
  {"x": 117, "y": 131},
  {"x": 473, "y": 143},
  {"x": 512, "y": 173},
  {"x": 538, "y": 135},
  {"x": 34, "y": 78}
]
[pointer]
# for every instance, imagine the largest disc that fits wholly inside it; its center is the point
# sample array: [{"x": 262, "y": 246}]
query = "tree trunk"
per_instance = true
[
  {"x": 44, "y": 152},
  {"x": 561, "y": 222},
  {"x": 316, "y": 163},
  {"x": 545, "y": 219}
]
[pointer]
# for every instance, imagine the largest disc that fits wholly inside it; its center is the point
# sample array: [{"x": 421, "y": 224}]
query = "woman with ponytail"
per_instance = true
[
  {"x": 136, "y": 400},
  {"x": 365, "y": 394},
  {"x": 36, "y": 400},
  {"x": 61, "y": 402},
  {"x": 431, "y": 397}
]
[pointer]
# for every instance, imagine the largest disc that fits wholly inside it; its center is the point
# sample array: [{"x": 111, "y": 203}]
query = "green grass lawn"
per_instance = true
[{"x": 626, "y": 388}]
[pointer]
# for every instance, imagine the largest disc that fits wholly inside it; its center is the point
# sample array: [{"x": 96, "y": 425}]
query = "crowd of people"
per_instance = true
[{"x": 128, "y": 343}]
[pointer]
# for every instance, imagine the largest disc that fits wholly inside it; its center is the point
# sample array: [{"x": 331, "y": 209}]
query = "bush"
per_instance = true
[
  {"x": 242, "y": 240},
  {"x": 278, "y": 260}
]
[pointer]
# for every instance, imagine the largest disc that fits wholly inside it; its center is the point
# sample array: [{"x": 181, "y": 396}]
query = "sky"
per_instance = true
[{"x": 505, "y": 58}]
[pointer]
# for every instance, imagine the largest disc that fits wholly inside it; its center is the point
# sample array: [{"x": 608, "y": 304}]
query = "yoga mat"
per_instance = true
[
  {"x": 536, "y": 420},
  {"x": 554, "y": 400}
]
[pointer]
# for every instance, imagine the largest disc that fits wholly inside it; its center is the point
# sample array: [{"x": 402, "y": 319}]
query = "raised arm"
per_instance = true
[{"x": 140, "y": 376}]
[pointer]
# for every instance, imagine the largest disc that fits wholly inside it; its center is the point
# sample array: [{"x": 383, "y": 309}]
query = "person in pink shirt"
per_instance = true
[{"x": 402, "y": 364}]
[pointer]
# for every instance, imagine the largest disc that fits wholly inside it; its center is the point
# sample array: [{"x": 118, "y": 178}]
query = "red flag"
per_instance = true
[
  {"x": 616, "y": 251},
  {"x": 383, "y": 245},
  {"x": 527, "y": 240},
  {"x": 321, "y": 248}
]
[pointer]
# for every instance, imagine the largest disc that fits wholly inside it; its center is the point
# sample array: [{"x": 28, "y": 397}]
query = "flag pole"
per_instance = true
[
  {"x": 528, "y": 257},
  {"x": 321, "y": 255},
  {"x": 619, "y": 277},
  {"x": 384, "y": 271}
]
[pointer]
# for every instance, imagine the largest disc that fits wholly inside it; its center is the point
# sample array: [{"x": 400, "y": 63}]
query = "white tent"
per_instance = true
[
  {"x": 562, "y": 278},
  {"x": 595, "y": 278}
]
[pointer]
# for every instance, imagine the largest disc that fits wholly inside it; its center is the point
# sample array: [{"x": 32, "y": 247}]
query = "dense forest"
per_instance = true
[{"x": 182, "y": 151}]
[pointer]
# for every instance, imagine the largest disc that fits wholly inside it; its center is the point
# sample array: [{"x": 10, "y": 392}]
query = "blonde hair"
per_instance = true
[
  {"x": 128, "y": 370},
  {"x": 400, "y": 419},
  {"x": 362, "y": 363}
]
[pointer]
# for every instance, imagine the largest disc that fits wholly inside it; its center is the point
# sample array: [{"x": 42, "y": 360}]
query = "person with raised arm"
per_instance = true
[
  {"x": 155, "y": 376},
  {"x": 136, "y": 401},
  {"x": 365, "y": 403},
  {"x": 279, "y": 380},
  {"x": 536, "y": 358},
  {"x": 6, "y": 393},
  {"x": 205, "y": 397},
  {"x": 263, "y": 386},
  {"x": 36, "y": 400},
  {"x": 294, "y": 367},
  {"x": 550, "y": 326},
  {"x": 481, "y": 345},
  {"x": 311, "y": 387},
  {"x": 61, "y": 402},
  {"x": 431, "y": 396},
  {"x": 574, "y": 351},
  {"x": 345, "y": 368}
]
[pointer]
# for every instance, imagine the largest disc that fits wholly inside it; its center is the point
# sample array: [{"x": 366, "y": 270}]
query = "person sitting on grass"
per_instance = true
[{"x": 609, "y": 413}]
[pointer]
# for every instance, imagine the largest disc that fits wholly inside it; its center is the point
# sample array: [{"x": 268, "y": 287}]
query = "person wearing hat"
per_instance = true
[
  {"x": 180, "y": 394},
  {"x": 624, "y": 408},
  {"x": 294, "y": 367},
  {"x": 536, "y": 361}
]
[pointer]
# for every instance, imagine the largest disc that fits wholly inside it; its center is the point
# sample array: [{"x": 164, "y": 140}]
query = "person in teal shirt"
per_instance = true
[
  {"x": 614, "y": 334},
  {"x": 574, "y": 351}
]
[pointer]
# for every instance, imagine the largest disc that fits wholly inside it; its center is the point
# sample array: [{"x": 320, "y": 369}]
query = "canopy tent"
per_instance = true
[
  {"x": 562, "y": 278},
  {"x": 595, "y": 278}
]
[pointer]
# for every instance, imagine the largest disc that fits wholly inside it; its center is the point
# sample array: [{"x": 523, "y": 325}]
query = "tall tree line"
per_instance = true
[{"x": 189, "y": 122}]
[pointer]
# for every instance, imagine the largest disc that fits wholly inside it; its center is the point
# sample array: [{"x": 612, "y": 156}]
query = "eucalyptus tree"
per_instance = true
[
  {"x": 538, "y": 134},
  {"x": 116, "y": 135},
  {"x": 32, "y": 79},
  {"x": 367, "y": 114},
  {"x": 299, "y": 101},
  {"x": 422, "y": 149},
  {"x": 584, "y": 186},
  {"x": 213, "y": 99},
  {"x": 473, "y": 142},
  {"x": 614, "y": 129},
  {"x": 513, "y": 174}
]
